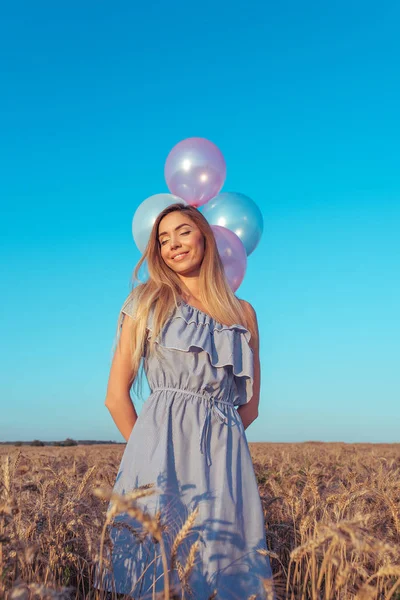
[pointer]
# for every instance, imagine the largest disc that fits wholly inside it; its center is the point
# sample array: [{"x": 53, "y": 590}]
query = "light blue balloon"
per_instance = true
[
  {"x": 146, "y": 215},
  {"x": 239, "y": 213}
]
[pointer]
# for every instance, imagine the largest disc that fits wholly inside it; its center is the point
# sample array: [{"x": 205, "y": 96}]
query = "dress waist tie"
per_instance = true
[{"x": 211, "y": 407}]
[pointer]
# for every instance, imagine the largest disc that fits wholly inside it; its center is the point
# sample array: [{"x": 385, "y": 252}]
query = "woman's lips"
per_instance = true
[{"x": 180, "y": 256}]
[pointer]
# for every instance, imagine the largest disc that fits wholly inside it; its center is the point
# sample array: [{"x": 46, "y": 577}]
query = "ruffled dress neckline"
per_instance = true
[
  {"x": 190, "y": 329},
  {"x": 209, "y": 320}
]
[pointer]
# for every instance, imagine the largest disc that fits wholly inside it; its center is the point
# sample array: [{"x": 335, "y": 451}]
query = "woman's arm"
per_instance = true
[
  {"x": 249, "y": 412},
  {"x": 118, "y": 400}
]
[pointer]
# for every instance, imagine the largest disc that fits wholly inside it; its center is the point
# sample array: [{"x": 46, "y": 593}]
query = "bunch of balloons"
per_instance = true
[{"x": 195, "y": 172}]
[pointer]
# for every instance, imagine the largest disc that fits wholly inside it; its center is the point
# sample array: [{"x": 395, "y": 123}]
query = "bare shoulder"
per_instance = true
[
  {"x": 252, "y": 323},
  {"x": 249, "y": 310}
]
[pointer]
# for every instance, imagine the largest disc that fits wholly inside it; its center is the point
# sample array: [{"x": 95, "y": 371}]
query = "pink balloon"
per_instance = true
[
  {"x": 233, "y": 255},
  {"x": 195, "y": 170}
]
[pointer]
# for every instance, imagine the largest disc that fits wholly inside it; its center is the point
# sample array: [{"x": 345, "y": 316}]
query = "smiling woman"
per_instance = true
[
  {"x": 199, "y": 344},
  {"x": 181, "y": 241}
]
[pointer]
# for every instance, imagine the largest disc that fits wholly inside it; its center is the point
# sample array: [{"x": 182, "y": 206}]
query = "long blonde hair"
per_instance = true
[{"x": 164, "y": 288}]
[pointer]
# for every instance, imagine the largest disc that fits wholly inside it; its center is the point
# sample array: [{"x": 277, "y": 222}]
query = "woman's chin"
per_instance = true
[{"x": 187, "y": 270}]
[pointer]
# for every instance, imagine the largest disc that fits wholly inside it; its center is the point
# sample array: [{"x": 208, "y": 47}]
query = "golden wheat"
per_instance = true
[{"x": 332, "y": 515}]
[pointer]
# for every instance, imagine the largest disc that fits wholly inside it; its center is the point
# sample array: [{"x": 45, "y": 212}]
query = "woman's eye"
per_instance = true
[{"x": 183, "y": 233}]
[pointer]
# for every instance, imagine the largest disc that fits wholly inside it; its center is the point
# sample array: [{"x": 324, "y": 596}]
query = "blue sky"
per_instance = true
[{"x": 303, "y": 101}]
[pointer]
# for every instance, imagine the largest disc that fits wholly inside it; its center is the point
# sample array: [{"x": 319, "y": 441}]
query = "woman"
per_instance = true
[{"x": 199, "y": 344}]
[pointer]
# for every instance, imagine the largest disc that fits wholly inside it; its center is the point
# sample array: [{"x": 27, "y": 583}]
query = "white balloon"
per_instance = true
[{"x": 146, "y": 215}]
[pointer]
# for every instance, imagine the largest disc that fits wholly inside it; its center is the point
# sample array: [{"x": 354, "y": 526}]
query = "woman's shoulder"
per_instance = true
[
  {"x": 252, "y": 323},
  {"x": 245, "y": 304},
  {"x": 248, "y": 308},
  {"x": 131, "y": 302}
]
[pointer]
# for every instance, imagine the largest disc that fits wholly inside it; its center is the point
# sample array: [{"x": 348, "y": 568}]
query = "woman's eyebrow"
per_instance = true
[{"x": 178, "y": 227}]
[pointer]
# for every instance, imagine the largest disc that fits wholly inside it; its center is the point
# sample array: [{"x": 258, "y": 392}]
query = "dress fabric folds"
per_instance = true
[{"x": 189, "y": 441}]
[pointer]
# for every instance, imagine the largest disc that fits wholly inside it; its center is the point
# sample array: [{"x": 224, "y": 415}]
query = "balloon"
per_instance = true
[
  {"x": 232, "y": 253},
  {"x": 195, "y": 170},
  {"x": 240, "y": 214},
  {"x": 146, "y": 214}
]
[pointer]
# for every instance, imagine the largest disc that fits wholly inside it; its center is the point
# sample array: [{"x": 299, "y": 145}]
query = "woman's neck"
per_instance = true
[{"x": 191, "y": 291}]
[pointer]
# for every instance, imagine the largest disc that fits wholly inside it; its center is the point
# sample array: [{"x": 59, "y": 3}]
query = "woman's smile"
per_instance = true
[
  {"x": 181, "y": 244},
  {"x": 180, "y": 256}
]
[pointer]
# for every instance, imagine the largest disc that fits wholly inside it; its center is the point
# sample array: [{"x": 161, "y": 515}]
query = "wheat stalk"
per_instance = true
[{"x": 182, "y": 533}]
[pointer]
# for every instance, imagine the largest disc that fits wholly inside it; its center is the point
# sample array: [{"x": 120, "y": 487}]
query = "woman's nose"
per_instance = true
[{"x": 175, "y": 243}]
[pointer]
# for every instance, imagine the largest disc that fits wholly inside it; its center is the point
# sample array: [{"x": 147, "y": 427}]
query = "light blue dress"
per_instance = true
[{"x": 189, "y": 441}]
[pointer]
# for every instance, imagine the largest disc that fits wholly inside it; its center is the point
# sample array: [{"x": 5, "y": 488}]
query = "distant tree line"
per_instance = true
[{"x": 66, "y": 442}]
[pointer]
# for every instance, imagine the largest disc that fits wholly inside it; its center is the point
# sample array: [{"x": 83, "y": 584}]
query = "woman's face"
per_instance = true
[{"x": 181, "y": 243}]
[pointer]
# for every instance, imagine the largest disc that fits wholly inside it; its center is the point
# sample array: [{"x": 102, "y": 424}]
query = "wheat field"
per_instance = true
[{"x": 332, "y": 515}]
